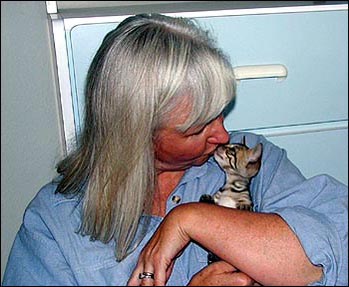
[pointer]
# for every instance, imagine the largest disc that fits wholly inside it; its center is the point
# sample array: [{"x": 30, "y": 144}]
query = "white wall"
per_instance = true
[{"x": 30, "y": 130}]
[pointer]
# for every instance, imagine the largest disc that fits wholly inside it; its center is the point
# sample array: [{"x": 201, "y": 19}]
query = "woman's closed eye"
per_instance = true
[{"x": 194, "y": 131}]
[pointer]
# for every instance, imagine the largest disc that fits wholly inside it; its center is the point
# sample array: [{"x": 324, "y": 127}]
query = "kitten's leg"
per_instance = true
[{"x": 212, "y": 258}]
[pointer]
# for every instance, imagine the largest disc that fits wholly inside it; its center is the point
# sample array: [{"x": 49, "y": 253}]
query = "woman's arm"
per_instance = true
[
  {"x": 35, "y": 259},
  {"x": 259, "y": 244}
]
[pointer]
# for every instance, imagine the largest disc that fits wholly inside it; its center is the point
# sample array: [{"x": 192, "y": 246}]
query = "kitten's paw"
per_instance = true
[
  {"x": 244, "y": 206},
  {"x": 206, "y": 198}
]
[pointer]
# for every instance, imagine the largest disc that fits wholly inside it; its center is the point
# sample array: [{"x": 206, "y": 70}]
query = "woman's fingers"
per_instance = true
[{"x": 220, "y": 274}]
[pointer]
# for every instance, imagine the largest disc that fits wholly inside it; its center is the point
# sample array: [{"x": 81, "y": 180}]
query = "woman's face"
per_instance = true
[{"x": 175, "y": 150}]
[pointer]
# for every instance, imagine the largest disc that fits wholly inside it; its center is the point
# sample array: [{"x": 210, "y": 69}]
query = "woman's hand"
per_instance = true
[
  {"x": 158, "y": 255},
  {"x": 221, "y": 273}
]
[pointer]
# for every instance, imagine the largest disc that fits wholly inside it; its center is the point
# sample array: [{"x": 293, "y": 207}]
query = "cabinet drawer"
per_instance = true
[
  {"x": 318, "y": 152},
  {"x": 312, "y": 45}
]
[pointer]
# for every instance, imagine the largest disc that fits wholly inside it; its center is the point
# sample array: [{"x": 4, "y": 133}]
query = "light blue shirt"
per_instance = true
[{"x": 48, "y": 251}]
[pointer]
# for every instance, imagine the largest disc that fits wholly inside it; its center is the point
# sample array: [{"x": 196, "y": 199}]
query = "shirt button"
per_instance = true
[{"x": 176, "y": 199}]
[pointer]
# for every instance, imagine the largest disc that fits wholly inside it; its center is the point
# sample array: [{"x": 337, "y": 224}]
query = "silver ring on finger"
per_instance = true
[{"x": 146, "y": 275}]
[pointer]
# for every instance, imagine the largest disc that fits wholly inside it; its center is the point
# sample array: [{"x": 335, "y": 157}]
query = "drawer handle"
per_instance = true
[{"x": 277, "y": 71}]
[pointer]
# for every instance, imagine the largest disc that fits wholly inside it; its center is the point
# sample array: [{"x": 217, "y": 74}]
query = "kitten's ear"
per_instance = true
[
  {"x": 255, "y": 153},
  {"x": 243, "y": 140}
]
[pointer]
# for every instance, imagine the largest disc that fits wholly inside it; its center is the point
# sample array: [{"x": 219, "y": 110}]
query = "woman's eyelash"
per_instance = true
[
  {"x": 198, "y": 132},
  {"x": 195, "y": 132}
]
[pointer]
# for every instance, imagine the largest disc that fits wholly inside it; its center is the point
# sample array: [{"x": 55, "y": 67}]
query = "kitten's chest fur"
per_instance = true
[{"x": 235, "y": 193}]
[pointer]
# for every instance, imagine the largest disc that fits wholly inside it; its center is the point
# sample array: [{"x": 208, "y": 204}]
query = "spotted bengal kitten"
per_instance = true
[{"x": 240, "y": 164}]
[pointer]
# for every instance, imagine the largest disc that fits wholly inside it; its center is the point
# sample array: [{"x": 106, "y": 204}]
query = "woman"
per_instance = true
[{"x": 155, "y": 94}]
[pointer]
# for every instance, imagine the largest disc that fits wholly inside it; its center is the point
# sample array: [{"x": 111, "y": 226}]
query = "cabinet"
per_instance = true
[{"x": 306, "y": 113}]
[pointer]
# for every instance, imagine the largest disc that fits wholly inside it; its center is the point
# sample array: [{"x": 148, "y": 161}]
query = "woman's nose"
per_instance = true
[{"x": 218, "y": 133}]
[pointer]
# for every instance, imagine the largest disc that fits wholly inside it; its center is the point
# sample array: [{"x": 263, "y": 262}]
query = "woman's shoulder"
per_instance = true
[
  {"x": 48, "y": 197},
  {"x": 51, "y": 207}
]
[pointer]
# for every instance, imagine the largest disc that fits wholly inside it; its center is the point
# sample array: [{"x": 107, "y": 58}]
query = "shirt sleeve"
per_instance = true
[
  {"x": 35, "y": 258},
  {"x": 316, "y": 209}
]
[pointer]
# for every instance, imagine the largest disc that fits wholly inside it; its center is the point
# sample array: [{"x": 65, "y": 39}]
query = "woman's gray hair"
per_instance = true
[{"x": 142, "y": 69}]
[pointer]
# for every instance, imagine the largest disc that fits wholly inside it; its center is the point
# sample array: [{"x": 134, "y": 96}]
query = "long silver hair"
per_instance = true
[{"x": 142, "y": 69}]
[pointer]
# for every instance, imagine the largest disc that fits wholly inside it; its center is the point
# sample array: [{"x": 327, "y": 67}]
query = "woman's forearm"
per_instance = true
[{"x": 259, "y": 244}]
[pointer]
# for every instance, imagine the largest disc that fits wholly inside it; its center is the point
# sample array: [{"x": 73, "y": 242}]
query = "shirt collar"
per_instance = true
[{"x": 196, "y": 171}]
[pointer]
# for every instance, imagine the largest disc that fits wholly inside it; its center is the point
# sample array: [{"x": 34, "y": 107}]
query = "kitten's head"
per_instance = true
[{"x": 238, "y": 159}]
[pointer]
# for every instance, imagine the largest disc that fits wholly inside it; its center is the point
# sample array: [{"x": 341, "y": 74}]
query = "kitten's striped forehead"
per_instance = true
[{"x": 234, "y": 146}]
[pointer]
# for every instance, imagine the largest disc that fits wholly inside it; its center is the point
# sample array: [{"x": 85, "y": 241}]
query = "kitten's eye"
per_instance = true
[{"x": 231, "y": 151}]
